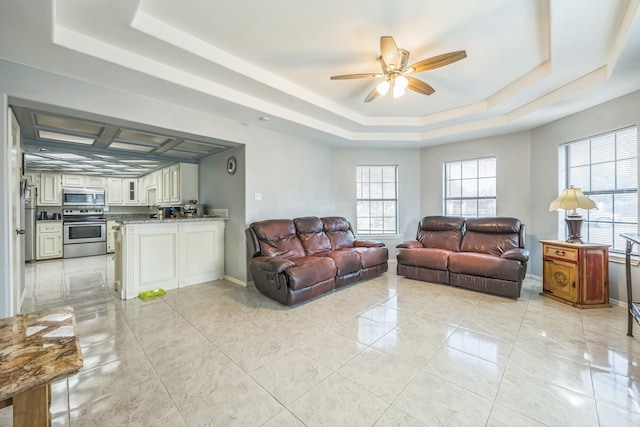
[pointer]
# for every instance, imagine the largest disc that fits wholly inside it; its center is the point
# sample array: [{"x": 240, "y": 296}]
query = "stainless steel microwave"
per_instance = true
[{"x": 82, "y": 197}]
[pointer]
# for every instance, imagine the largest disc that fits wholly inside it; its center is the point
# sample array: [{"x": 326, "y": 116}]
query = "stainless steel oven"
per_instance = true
[{"x": 84, "y": 232}]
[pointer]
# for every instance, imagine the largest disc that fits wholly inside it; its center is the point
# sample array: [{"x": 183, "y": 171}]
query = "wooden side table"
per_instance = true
[
  {"x": 35, "y": 350},
  {"x": 576, "y": 273}
]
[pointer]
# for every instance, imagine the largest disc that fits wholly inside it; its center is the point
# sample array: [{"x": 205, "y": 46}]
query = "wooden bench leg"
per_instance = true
[{"x": 31, "y": 408}]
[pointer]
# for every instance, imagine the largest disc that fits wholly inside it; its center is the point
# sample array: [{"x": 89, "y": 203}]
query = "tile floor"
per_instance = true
[{"x": 386, "y": 352}]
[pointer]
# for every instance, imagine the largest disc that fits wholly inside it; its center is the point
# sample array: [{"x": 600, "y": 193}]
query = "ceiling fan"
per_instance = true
[{"x": 395, "y": 70}]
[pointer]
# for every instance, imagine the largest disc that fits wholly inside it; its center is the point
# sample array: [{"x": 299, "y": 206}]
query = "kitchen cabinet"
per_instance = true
[
  {"x": 130, "y": 191},
  {"x": 111, "y": 234},
  {"x": 50, "y": 193},
  {"x": 179, "y": 183},
  {"x": 95, "y": 182},
  {"x": 48, "y": 240},
  {"x": 166, "y": 186},
  {"x": 142, "y": 192},
  {"x": 83, "y": 181},
  {"x": 576, "y": 274},
  {"x": 114, "y": 191},
  {"x": 167, "y": 255},
  {"x": 73, "y": 181},
  {"x": 33, "y": 178}
]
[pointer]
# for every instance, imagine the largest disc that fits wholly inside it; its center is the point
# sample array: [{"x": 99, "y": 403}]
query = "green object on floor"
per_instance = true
[{"x": 152, "y": 293}]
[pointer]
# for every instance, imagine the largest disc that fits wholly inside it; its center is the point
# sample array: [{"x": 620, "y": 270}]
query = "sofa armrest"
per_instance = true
[
  {"x": 272, "y": 264},
  {"x": 367, "y": 244},
  {"x": 517, "y": 254},
  {"x": 410, "y": 244}
]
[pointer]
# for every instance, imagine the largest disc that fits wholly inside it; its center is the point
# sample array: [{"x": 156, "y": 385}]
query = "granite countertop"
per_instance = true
[
  {"x": 36, "y": 349},
  {"x": 147, "y": 220},
  {"x": 49, "y": 220}
]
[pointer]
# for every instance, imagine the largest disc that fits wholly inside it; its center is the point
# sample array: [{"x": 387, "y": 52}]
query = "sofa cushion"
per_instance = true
[
  {"x": 277, "y": 237},
  {"x": 492, "y": 236},
  {"x": 484, "y": 265},
  {"x": 435, "y": 259},
  {"x": 312, "y": 235},
  {"x": 310, "y": 271},
  {"x": 339, "y": 232},
  {"x": 441, "y": 232},
  {"x": 347, "y": 261},
  {"x": 370, "y": 257}
]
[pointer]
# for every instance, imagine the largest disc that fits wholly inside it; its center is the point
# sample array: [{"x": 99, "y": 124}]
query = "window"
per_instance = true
[
  {"x": 470, "y": 188},
  {"x": 377, "y": 194},
  {"x": 605, "y": 167}
]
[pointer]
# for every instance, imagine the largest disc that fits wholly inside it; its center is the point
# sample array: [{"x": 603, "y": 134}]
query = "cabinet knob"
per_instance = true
[{"x": 560, "y": 253}]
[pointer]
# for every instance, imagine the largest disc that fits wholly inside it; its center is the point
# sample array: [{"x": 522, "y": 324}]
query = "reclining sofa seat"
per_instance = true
[
  {"x": 296, "y": 260},
  {"x": 483, "y": 254}
]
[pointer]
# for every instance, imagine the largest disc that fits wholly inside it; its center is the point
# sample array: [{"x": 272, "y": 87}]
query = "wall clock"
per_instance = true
[{"x": 231, "y": 165}]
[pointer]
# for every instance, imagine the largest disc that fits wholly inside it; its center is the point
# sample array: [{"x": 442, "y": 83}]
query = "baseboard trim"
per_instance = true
[{"x": 235, "y": 281}]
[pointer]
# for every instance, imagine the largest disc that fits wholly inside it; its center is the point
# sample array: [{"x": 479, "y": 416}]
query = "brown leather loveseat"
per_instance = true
[
  {"x": 295, "y": 260},
  {"x": 483, "y": 254}
]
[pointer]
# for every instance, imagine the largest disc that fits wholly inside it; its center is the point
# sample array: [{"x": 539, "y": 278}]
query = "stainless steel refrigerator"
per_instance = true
[{"x": 30, "y": 197}]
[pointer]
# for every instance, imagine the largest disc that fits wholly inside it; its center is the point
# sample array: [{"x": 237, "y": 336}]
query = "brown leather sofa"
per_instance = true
[
  {"x": 483, "y": 254},
  {"x": 294, "y": 260}
]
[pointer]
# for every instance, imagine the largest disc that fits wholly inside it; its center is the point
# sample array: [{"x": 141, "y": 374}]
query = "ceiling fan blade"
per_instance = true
[
  {"x": 389, "y": 51},
  {"x": 419, "y": 86},
  {"x": 437, "y": 61},
  {"x": 372, "y": 95},
  {"x": 355, "y": 76}
]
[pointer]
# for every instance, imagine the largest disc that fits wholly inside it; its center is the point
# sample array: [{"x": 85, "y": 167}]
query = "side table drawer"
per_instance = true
[{"x": 561, "y": 252}]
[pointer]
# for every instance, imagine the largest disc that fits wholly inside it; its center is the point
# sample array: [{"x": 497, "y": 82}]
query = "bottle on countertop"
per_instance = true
[{"x": 159, "y": 214}]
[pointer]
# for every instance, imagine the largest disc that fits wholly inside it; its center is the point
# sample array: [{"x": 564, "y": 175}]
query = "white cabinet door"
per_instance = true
[
  {"x": 166, "y": 185},
  {"x": 74, "y": 181},
  {"x": 48, "y": 240},
  {"x": 114, "y": 191},
  {"x": 50, "y": 190},
  {"x": 142, "y": 192},
  {"x": 111, "y": 234},
  {"x": 33, "y": 178},
  {"x": 130, "y": 191},
  {"x": 174, "y": 179},
  {"x": 95, "y": 182}
]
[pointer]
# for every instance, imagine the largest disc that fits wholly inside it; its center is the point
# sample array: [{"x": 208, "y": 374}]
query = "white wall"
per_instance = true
[
  {"x": 612, "y": 115},
  {"x": 408, "y": 162},
  {"x": 512, "y": 170},
  {"x": 294, "y": 177},
  {"x": 5, "y": 212},
  {"x": 218, "y": 189}
]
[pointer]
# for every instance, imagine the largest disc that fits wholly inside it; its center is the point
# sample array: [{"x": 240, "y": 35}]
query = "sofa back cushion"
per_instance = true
[
  {"x": 311, "y": 233},
  {"x": 491, "y": 235},
  {"x": 339, "y": 232},
  {"x": 441, "y": 232},
  {"x": 277, "y": 237}
]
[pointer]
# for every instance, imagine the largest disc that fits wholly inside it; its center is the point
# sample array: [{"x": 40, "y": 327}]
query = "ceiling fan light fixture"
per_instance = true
[
  {"x": 402, "y": 81},
  {"x": 398, "y": 91},
  {"x": 383, "y": 87}
]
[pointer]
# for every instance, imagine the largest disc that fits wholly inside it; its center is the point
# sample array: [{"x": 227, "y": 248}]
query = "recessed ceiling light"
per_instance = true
[
  {"x": 264, "y": 119},
  {"x": 43, "y": 134},
  {"x": 67, "y": 156}
]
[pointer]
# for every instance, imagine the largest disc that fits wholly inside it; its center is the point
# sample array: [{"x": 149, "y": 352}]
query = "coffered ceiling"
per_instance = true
[
  {"x": 76, "y": 142},
  {"x": 528, "y": 62}
]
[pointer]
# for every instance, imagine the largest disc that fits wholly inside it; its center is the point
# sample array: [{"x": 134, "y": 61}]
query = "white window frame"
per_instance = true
[
  {"x": 595, "y": 221},
  {"x": 469, "y": 177},
  {"x": 387, "y": 194}
]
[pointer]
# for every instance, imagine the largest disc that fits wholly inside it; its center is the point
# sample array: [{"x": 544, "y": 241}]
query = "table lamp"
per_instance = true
[{"x": 571, "y": 199}]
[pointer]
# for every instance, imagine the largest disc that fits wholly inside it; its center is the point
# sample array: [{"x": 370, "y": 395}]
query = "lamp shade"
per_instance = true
[{"x": 571, "y": 199}]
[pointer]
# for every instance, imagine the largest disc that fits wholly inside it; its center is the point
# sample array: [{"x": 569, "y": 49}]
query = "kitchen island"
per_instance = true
[{"x": 167, "y": 254}]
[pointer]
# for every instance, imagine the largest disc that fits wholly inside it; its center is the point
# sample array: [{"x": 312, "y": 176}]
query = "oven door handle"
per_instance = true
[{"x": 74, "y": 224}]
